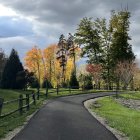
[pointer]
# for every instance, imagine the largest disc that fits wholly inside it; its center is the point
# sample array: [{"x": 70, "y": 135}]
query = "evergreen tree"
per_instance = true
[
  {"x": 120, "y": 49},
  {"x": 88, "y": 82},
  {"x": 73, "y": 81},
  {"x": 49, "y": 85},
  {"x": 3, "y": 60},
  {"x": 11, "y": 70}
]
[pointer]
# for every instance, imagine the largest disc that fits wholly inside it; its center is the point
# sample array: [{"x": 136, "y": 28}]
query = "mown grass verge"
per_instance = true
[
  {"x": 119, "y": 117},
  {"x": 131, "y": 95}
]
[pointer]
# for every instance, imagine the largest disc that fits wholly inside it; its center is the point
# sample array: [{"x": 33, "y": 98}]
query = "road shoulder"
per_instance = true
[{"x": 119, "y": 135}]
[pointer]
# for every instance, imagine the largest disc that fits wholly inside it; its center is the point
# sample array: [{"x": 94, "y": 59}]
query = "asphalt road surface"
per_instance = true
[{"x": 65, "y": 118}]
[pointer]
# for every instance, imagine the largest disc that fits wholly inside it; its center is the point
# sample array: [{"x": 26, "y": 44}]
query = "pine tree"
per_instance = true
[
  {"x": 3, "y": 60},
  {"x": 88, "y": 82},
  {"x": 121, "y": 50},
  {"x": 11, "y": 70},
  {"x": 73, "y": 81}
]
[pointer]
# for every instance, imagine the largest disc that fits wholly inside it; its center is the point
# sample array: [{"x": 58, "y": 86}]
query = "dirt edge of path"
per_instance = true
[{"x": 119, "y": 135}]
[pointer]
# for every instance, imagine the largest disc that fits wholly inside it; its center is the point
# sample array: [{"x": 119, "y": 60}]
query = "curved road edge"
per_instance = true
[{"x": 87, "y": 103}]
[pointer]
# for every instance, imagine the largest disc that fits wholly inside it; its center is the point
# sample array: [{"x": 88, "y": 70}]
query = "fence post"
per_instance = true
[
  {"x": 38, "y": 94},
  {"x": 27, "y": 102},
  {"x": 33, "y": 96},
  {"x": 1, "y": 104},
  {"x": 57, "y": 90},
  {"x": 70, "y": 89},
  {"x": 20, "y": 104}
]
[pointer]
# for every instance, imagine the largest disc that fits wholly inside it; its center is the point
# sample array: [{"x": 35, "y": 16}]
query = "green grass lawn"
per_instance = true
[
  {"x": 8, "y": 95},
  {"x": 11, "y": 94},
  {"x": 10, "y": 122},
  {"x": 131, "y": 95},
  {"x": 15, "y": 120},
  {"x": 119, "y": 117}
]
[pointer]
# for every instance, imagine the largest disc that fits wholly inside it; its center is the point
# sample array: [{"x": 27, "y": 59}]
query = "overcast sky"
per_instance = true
[{"x": 25, "y": 23}]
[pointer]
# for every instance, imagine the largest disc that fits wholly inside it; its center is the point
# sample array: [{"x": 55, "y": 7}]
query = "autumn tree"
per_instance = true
[
  {"x": 33, "y": 61},
  {"x": 49, "y": 58},
  {"x": 96, "y": 72}
]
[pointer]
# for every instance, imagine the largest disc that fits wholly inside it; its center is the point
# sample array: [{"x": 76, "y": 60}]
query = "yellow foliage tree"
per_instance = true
[{"x": 33, "y": 62}]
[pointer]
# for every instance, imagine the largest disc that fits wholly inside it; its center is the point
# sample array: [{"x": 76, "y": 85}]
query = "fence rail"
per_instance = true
[
  {"x": 26, "y": 100},
  {"x": 16, "y": 105}
]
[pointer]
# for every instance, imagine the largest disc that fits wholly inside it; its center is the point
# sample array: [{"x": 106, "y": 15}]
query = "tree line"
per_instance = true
[{"x": 105, "y": 45}]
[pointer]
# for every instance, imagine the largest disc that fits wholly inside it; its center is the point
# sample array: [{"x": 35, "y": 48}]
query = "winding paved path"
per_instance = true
[{"x": 65, "y": 118}]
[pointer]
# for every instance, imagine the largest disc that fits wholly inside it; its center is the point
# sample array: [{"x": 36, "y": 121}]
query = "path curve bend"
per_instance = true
[{"x": 66, "y": 118}]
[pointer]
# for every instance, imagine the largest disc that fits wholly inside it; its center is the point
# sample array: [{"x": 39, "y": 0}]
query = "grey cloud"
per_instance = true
[{"x": 55, "y": 17}]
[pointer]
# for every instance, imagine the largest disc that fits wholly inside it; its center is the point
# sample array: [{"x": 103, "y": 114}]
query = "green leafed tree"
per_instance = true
[
  {"x": 121, "y": 50},
  {"x": 11, "y": 78},
  {"x": 87, "y": 37}
]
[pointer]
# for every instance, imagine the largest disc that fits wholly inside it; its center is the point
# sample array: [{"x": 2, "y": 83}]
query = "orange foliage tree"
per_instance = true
[
  {"x": 33, "y": 62},
  {"x": 45, "y": 65}
]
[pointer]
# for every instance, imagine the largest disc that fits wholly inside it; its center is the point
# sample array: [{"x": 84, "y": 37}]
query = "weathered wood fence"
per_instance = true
[
  {"x": 24, "y": 102},
  {"x": 18, "y": 104}
]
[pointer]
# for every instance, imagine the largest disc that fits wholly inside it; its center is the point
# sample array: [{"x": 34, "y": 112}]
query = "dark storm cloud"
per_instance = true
[
  {"x": 62, "y": 11},
  {"x": 53, "y": 17},
  {"x": 68, "y": 11}
]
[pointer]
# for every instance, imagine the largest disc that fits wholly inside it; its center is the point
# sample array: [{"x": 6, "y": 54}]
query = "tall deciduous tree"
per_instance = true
[
  {"x": 96, "y": 73},
  {"x": 125, "y": 72},
  {"x": 49, "y": 59},
  {"x": 11, "y": 70},
  {"x": 87, "y": 36},
  {"x": 33, "y": 61},
  {"x": 104, "y": 34}
]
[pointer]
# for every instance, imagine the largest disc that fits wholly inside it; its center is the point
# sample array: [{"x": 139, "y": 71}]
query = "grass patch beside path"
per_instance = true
[
  {"x": 11, "y": 122},
  {"x": 15, "y": 120},
  {"x": 119, "y": 117},
  {"x": 11, "y": 94},
  {"x": 131, "y": 95}
]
